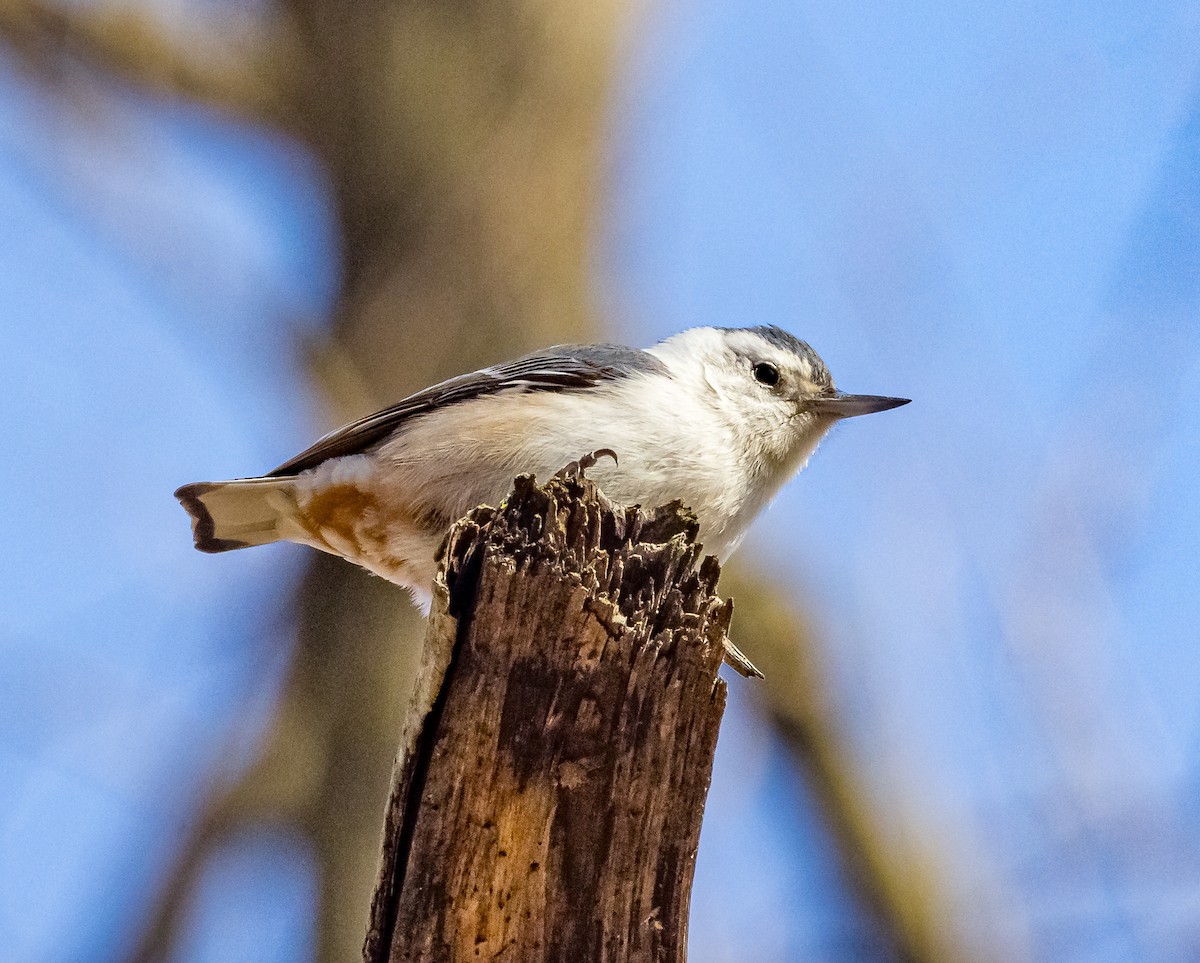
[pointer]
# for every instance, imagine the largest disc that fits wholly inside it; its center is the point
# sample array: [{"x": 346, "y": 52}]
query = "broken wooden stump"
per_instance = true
[{"x": 547, "y": 798}]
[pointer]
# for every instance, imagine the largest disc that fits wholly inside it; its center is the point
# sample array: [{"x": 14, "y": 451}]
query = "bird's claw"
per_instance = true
[
  {"x": 575, "y": 469},
  {"x": 741, "y": 665}
]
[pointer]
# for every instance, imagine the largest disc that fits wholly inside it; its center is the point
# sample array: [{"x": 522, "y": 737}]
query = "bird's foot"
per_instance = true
[{"x": 575, "y": 469}]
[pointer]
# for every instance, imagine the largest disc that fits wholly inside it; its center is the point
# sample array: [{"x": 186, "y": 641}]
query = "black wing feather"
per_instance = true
[{"x": 566, "y": 367}]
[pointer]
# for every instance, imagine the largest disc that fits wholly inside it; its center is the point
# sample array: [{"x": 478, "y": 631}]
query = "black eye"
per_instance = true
[{"x": 766, "y": 373}]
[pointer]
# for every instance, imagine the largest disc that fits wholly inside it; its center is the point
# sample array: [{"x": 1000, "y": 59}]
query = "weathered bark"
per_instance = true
[{"x": 547, "y": 799}]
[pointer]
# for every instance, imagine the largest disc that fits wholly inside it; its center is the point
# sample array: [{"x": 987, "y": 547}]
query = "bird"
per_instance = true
[{"x": 718, "y": 418}]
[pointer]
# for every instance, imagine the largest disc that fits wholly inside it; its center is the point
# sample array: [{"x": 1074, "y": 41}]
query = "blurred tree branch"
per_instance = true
[{"x": 245, "y": 69}]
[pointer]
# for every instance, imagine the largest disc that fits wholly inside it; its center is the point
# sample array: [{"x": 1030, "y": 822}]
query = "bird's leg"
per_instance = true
[{"x": 575, "y": 469}]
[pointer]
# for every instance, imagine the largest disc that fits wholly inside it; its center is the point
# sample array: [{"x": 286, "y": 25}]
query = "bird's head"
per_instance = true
[{"x": 772, "y": 389}]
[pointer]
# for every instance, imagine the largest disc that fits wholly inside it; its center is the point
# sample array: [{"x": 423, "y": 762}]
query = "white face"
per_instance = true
[{"x": 759, "y": 382}]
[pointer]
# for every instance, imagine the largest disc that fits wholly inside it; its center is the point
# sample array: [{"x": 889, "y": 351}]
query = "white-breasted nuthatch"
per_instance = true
[{"x": 718, "y": 418}]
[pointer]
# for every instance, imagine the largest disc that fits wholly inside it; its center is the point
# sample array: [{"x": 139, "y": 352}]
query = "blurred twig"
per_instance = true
[{"x": 240, "y": 65}]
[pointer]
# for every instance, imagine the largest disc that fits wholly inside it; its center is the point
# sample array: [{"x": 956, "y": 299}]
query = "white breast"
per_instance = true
[{"x": 468, "y": 454}]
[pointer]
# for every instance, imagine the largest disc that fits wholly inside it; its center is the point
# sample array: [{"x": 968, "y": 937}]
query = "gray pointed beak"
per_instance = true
[{"x": 842, "y": 405}]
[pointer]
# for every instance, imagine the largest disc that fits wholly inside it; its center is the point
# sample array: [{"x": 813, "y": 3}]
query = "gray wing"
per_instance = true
[{"x": 565, "y": 367}]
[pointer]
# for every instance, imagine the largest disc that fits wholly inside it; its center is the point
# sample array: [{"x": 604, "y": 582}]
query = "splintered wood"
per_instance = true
[{"x": 547, "y": 800}]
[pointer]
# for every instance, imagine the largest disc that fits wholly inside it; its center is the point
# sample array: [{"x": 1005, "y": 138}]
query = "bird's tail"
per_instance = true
[{"x": 237, "y": 514}]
